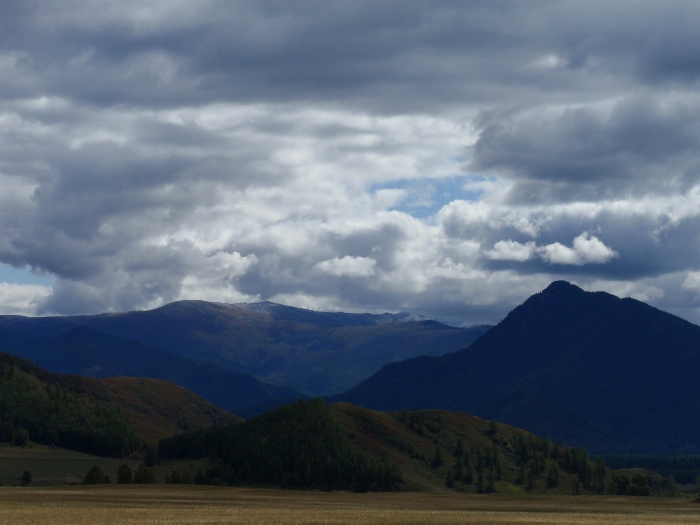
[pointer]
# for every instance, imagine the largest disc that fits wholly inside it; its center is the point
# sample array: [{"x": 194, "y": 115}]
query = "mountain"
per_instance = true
[
  {"x": 315, "y": 352},
  {"x": 589, "y": 369},
  {"x": 101, "y": 416},
  {"x": 343, "y": 446},
  {"x": 87, "y": 352}
]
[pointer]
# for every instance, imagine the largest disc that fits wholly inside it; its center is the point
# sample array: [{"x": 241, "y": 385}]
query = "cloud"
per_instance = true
[
  {"x": 511, "y": 251},
  {"x": 692, "y": 282},
  {"x": 587, "y": 249},
  {"x": 348, "y": 266},
  {"x": 22, "y": 299},
  {"x": 361, "y": 156},
  {"x": 636, "y": 146}
]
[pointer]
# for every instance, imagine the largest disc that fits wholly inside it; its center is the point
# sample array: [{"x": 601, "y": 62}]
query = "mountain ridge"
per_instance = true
[
  {"x": 317, "y": 353},
  {"x": 587, "y": 368},
  {"x": 84, "y": 351}
]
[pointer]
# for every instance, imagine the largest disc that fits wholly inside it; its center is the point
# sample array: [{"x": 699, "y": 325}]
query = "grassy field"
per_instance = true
[
  {"x": 161, "y": 504},
  {"x": 52, "y": 466}
]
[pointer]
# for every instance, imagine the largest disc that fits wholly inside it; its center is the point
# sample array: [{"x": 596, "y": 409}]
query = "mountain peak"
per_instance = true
[{"x": 562, "y": 287}]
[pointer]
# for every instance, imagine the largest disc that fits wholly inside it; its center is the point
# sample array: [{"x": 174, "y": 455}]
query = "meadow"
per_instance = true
[{"x": 172, "y": 504}]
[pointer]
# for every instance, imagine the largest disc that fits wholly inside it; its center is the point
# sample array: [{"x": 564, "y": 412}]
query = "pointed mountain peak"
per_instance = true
[{"x": 562, "y": 287}]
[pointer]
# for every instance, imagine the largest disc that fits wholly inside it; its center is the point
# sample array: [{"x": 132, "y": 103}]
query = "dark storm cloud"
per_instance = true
[
  {"x": 641, "y": 145},
  {"x": 392, "y": 55}
]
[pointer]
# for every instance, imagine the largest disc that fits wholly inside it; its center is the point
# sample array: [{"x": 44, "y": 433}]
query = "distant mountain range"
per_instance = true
[
  {"x": 317, "y": 353},
  {"x": 86, "y": 352},
  {"x": 588, "y": 369}
]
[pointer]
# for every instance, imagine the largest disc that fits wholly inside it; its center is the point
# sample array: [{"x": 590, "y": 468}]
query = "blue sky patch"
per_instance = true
[
  {"x": 427, "y": 196},
  {"x": 9, "y": 274}
]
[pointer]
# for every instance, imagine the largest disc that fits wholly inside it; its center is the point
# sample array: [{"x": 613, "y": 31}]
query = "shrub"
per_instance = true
[
  {"x": 95, "y": 476},
  {"x": 124, "y": 474},
  {"x": 144, "y": 476},
  {"x": 26, "y": 478},
  {"x": 181, "y": 478}
]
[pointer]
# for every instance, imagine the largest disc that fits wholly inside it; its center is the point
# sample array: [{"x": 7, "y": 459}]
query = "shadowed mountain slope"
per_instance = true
[
  {"x": 87, "y": 352},
  {"x": 589, "y": 369},
  {"x": 315, "y": 352},
  {"x": 97, "y": 415}
]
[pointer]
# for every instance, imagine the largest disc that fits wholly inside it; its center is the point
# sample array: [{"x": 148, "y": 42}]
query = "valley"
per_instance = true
[{"x": 185, "y": 505}]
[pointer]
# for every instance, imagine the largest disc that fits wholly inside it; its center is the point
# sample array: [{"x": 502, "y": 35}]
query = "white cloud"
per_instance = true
[
  {"x": 511, "y": 251},
  {"x": 348, "y": 266},
  {"x": 22, "y": 299},
  {"x": 587, "y": 249},
  {"x": 692, "y": 282}
]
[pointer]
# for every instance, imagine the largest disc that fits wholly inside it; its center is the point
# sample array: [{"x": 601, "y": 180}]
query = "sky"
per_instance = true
[{"x": 443, "y": 158}]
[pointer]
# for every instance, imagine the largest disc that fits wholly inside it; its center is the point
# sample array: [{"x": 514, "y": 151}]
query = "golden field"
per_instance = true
[{"x": 159, "y": 504}]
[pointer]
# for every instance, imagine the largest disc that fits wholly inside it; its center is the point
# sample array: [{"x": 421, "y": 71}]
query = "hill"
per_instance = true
[
  {"x": 87, "y": 352},
  {"x": 102, "y": 416},
  {"x": 309, "y": 445},
  {"x": 590, "y": 369},
  {"x": 315, "y": 352}
]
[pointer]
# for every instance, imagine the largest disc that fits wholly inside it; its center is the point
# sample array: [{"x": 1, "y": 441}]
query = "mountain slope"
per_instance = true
[
  {"x": 103, "y": 416},
  {"x": 315, "y": 352},
  {"x": 87, "y": 352},
  {"x": 590, "y": 369},
  {"x": 343, "y": 446}
]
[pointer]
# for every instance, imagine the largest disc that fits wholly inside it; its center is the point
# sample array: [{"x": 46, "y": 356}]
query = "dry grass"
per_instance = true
[{"x": 213, "y": 505}]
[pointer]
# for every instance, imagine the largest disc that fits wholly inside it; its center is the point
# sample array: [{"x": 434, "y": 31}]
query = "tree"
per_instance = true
[
  {"x": 530, "y": 478},
  {"x": 490, "y": 487},
  {"x": 26, "y": 478},
  {"x": 697, "y": 484},
  {"x": 20, "y": 437},
  {"x": 639, "y": 485},
  {"x": 493, "y": 428},
  {"x": 150, "y": 458},
  {"x": 145, "y": 476},
  {"x": 459, "y": 449},
  {"x": 575, "y": 487},
  {"x": 618, "y": 483},
  {"x": 450, "y": 481},
  {"x": 124, "y": 474},
  {"x": 553, "y": 475},
  {"x": 94, "y": 476},
  {"x": 437, "y": 458},
  {"x": 672, "y": 490}
]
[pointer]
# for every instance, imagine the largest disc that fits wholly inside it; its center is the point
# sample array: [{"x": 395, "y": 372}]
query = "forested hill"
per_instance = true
[
  {"x": 295, "y": 446},
  {"x": 590, "y": 369},
  {"x": 109, "y": 417},
  {"x": 307, "y": 445},
  {"x": 32, "y": 407}
]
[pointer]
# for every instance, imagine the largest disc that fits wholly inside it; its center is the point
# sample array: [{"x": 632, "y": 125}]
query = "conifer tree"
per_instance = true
[
  {"x": 437, "y": 458},
  {"x": 480, "y": 482},
  {"x": 459, "y": 448},
  {"x": 530, "y": 478}
]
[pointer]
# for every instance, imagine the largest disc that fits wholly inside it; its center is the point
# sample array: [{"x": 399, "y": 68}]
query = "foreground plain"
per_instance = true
[{"x": 222, "y": 505}]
